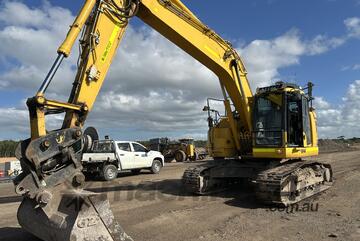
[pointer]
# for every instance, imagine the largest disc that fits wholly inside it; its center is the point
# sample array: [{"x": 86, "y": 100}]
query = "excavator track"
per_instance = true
[
  {"x": 193, "y": 180},
  {"x": 283, "y": 184},
  {"x": 197, "y": 180},
  {"x": 292, "y": 182},
  {"x": 218, "y": 175}
]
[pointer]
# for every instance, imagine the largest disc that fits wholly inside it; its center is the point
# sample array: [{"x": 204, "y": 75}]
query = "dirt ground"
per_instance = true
[{"x": 154, "y": 207}]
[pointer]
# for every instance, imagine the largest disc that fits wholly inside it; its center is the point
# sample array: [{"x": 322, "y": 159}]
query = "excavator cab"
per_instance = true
[{"x": 283, "y": 122}]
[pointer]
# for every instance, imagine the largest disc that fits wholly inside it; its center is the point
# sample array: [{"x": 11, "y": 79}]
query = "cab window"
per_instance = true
[
  {"x": 124, "y": 147},
  {"x": 268, "y": 115},
  {"x": 138, "y": 148}
]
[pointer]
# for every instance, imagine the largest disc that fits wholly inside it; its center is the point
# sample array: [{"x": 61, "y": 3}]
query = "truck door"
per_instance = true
[
  {"x": 141, "y": 157},
  {"x": 126, "y": 156}
]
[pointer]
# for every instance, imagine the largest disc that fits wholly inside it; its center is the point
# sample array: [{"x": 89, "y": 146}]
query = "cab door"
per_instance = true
[
  {"x": 306, "y": 122},
  {"x": 125, "y": 155},
  {"x": 141, "y": 155},
  {"x": 295, "y": 120}
]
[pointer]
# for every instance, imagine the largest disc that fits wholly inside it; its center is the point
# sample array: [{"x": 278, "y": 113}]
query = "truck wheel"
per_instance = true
[
  {"x": 180, "y": 156},
  {"x": 136, "y": 171},
  {"x": 109, "y": 172},
  {"x": 156, "y": 167}
]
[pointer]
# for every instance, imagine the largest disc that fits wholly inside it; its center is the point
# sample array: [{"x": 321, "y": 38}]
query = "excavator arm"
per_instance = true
[
  {"x": 51, "y": 160},
  {"x": 104, "y": 30}
]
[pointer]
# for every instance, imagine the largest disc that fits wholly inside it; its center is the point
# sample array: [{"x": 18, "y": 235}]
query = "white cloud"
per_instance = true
[
  {"x": 152, "y": 85},
  {"x": 342, "y": 119},
  {"x": 356, "y": 67},
  {"x": 24, "y": 15},
  {"x": 353, "y": 26},
  {"x": 321, "y": 44},
  {"x": 14, "y": 123},
  {"x": 351, "y": 67},
  {"x": 146, "y": 62},
  {"x": 321, "y": 103},
  {"x": 30, "y": 38},
  {"x": 264, "y": 58}
]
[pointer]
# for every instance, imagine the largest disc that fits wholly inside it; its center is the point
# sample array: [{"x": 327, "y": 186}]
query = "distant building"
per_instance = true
[
  {"x": 7, "y": 159},
  {"x": 9, "y": 166}
]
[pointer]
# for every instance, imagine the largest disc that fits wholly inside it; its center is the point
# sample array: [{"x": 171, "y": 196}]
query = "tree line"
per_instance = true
[{"x": 7, "y": 148}]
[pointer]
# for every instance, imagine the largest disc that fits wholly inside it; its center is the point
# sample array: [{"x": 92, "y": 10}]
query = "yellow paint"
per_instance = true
[
  {"x": 285, "y": 153},
  {"x": 37, "y": 123},
  {"x": 313, "y": 127},
  {"x": 52, "y": 103},
  {"x": 277, "y": 99},
  {"x": 190, "y": 150},
  {"x": 211, "y": 51},
  {"x": 220, "y": 141},
  {"x": 75, "y": 29},
  {"x": 233, "y": 128}
]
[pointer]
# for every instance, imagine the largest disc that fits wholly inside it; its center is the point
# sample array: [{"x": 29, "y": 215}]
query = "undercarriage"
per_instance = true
[{"x": 277, "y": 182}]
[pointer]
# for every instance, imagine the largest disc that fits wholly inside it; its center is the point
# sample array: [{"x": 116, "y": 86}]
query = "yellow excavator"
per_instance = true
[{"x": 262, "y": 138}]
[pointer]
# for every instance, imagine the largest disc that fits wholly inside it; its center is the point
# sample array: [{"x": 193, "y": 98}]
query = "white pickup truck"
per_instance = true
[{"x": 108, "y": 157}]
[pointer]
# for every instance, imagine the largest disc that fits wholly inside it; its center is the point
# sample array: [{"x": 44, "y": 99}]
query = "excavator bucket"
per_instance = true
[
  {"x": 76, "y": 216},
  {"x": 55, "y": 206}
]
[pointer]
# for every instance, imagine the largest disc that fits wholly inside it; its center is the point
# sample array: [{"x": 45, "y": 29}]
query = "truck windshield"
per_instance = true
[
  {"x": 103, "y": 146},
  {"x": 268, "y": 120}
]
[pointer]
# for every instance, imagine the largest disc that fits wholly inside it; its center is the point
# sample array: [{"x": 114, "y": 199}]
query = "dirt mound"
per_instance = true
[{"x": 330, "y": 145}]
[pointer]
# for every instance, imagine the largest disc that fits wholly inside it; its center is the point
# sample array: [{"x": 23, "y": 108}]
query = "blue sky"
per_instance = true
[{"x": 242, "y": 22}]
